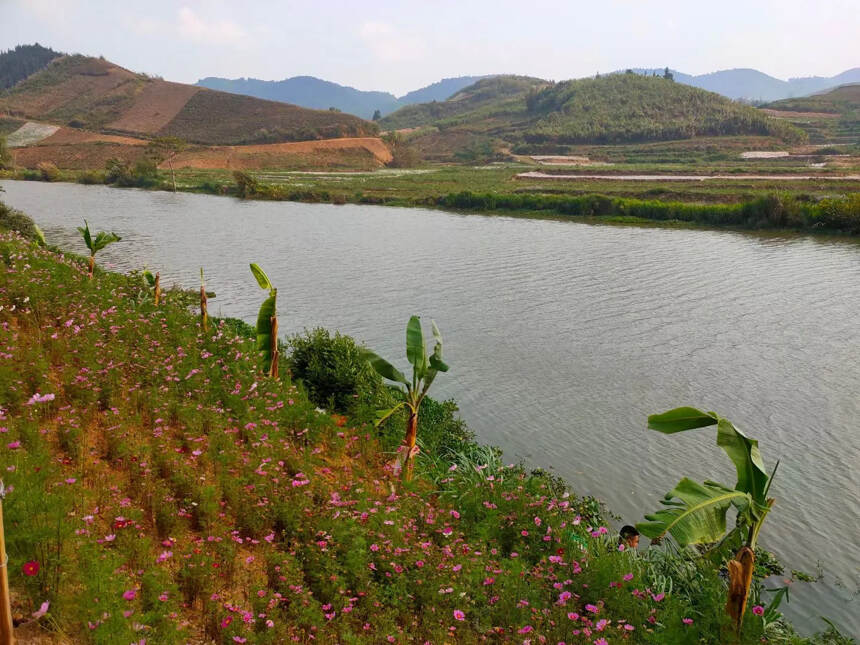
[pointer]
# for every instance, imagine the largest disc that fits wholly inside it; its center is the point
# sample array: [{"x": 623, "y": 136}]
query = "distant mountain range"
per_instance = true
[
  {"x": 312, "y": 92},
  {"x": 753, "y": 85}
]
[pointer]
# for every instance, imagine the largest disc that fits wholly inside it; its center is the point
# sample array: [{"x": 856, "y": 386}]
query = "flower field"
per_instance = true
[{"x": 160, "y": 489}]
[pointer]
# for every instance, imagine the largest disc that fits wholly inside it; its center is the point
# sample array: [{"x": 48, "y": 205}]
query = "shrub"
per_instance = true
[
  {"x": 15, "y": 220},
  {"x": 48, "y": 171},
  {"x": 334, "y": 372}
]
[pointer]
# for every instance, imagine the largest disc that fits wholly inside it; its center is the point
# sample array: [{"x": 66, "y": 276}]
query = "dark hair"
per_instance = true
[{"x": 628, "y": 531}]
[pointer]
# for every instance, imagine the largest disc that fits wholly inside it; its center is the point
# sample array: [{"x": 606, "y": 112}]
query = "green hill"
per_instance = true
[
  {"x": 502, "y": 95},
  {"x": 531, "y": 115},
  {"x": 830, "y": 117},
  {"x": 95, "y": 94}
]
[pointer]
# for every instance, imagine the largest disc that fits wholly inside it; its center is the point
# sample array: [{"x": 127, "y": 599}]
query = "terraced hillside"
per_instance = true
[
  {"x": 529, "y": 115},
  {"x": 831, "y": 117},
  {"x": 95, "y": 94}
]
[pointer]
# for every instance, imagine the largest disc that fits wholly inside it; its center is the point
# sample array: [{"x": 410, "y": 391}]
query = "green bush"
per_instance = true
[
  {"x": 334, "y": 373},
  {"x": 15, "y": 220}
]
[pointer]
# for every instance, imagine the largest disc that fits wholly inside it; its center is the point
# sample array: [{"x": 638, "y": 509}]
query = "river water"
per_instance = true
[{"x": 561, "y": 336}]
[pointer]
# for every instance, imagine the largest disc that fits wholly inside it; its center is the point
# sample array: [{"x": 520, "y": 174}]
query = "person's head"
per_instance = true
[{"x": 629, "y": 536}]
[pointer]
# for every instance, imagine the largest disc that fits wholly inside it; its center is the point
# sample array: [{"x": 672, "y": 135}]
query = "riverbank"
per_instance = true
[
  {"x": 165, "y": 490},
  {"x": 829, "y": 205}
]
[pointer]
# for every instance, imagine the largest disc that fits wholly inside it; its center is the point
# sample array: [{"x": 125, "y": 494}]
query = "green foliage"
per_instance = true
[
  {"x": 696, "y": 513},
  {"x": 773, "y": 211},
  {"x": 335, "y": 372},
  {"x": 15, "y": 220},
  {"x": 100, "y": 241},
  {"x": 630, "y": 107},
  {"x": 121, "y": 172},
  {"x": 5, "y": 155},
  {"x": 246, "y": 185},
  {"x": 265, "y": 318},
  {"x": 19, "y": 63}
]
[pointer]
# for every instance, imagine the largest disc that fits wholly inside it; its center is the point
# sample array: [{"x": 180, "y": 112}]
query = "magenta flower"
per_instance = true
[
  {"x": 42, "y": 610},
  {"x": 758, "y": 610},
  {"x": 459, "y": 615},
  {"x": 687, "y": 621},
  {"x": 131, "y": 594}
]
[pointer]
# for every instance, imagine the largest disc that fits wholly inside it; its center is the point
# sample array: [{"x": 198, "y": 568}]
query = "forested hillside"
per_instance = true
[
  {"x": 530, "y": 115},
  {"x": 17, "y": 64}
]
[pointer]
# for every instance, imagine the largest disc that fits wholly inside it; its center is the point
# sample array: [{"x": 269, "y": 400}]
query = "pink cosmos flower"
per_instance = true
[
  {"x": 131, "y": 594},
  {"x": 687, "y": 621},
  {"x": 459, "y": 615},
  {"x": 758, "y": 610},
  {"x": 43, "y": 609}
]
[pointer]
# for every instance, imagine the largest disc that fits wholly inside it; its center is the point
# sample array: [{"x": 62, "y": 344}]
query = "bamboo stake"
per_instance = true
[
  {"x": 204, "y": 310},
  {"x": 7, "y": 634}
]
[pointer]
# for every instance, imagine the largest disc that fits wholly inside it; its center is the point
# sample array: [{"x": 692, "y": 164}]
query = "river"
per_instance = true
[{"x": 561, "y": 336}]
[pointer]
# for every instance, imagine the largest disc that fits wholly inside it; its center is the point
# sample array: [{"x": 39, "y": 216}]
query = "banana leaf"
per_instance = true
[
  {"x": 384, "y": 368},
  {"x": 695, "y": 513},
  {"x": 85, "y": 231},
  {"x": 436, "y": 362},
  {"x": 416, "y": 352},
  {"x": 102, "y": 240},
  {"x": 264, "y": 329},
  {"x": 383, "y": 415},
  {"x": 681, "y": 419},
  {"x": 744, "y": 452},
  {"x": 262, "y": 278}
]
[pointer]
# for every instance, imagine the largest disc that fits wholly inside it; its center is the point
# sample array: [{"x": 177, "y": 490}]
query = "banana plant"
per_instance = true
[
  {"x": 96, "y": 244},
  {"x": 424, "y": 371},
  {"x": 267, "y": 324},
  {"x": 696, "y": 513},
  {"x": 153, "y": 281},
  {"x": 204, "y": 310}
]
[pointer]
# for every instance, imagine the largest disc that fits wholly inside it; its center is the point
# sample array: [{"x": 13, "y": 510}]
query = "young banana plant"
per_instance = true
[
  {"x": 153, "y": 281},
  {"x": 424, "y": 371},
  {"x": 204, "y": 311},
  {"x": 267, "y": 324},
  {"x": 96, "y": 244},
  {"x": 696, "y": 513}
]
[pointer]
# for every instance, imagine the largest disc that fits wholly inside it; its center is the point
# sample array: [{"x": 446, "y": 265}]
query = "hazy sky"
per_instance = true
[{"x": 402, "y": 45}]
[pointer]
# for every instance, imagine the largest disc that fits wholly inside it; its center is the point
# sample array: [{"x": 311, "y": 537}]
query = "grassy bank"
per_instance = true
[
  {"x": 809, "y": 205},
  {"x": 161, "y": 488}
]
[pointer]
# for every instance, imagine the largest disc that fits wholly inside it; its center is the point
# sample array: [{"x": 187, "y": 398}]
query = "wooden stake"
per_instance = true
[
  {"x": 92, "y": 266},
  {"x": 157, "y": 288},
  {"x": 7, "y": 634},
  {"x": 204, "y": 310}
]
